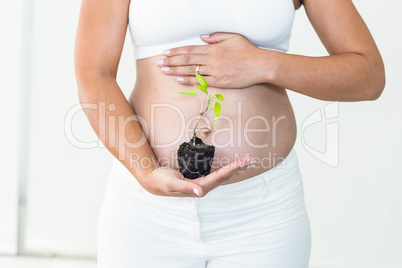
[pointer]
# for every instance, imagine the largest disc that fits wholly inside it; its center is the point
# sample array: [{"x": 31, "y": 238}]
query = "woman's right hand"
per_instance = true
[{"x": 166, "y": 181}]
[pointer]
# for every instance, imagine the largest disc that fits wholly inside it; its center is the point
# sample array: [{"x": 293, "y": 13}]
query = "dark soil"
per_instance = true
[{"x": 195, "y": 160}]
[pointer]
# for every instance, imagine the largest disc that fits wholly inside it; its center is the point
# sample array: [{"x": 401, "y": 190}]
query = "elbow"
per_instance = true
[
  {"x": 88, "y": 86},
  {"x": 89, "y": 82},
  {"x": 87, "y": 76},
  {"x": 371, "y": 80},
  {"x": 377, "y": 91},
  {"x": 82, "y": 78},
  {"x": 378, "y": 83},
  {"x": 83, "y": 82},
  {"x": 375, "y": 77}
]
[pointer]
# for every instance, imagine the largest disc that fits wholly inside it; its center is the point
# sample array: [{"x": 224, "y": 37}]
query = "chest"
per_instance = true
[{"x": 264, "y": 22}]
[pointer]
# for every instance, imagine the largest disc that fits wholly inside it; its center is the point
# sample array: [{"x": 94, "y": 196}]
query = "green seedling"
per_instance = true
[{"x": 215, "y": 106}]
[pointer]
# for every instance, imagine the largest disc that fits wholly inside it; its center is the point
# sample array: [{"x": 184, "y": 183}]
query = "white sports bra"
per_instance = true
[{"x": 156, "y": 25}]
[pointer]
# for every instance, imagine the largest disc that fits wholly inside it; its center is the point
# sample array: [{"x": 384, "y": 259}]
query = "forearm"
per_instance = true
[
  {"x": 116, "y": 125},
  {"x": 341, "y": 77}
]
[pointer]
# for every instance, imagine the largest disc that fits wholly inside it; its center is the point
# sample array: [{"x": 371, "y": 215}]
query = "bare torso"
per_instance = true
[{"x": 257, "y": 121}]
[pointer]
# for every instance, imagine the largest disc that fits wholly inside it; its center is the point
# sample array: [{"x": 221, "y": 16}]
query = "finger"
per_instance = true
[
  {"x": 224, "y": 172},
  {"x": 185, "y": 186},
  {"x": 238, "y": 171},
  {"x": 241, "y": 169},
  {"x": 196, "y": 49},
  {"x": 186, "y": 70},
  {"x": 192, "y": 80},
  {"x": 182, "y": 60},
  {"x": 218, "y": 37},
  {"x": 249, "y": 165}
]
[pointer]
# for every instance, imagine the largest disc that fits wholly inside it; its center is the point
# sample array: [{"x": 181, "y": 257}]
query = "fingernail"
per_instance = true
[
  {"x": 159, "y": 62},
  {"x": 205, "y": 35},
  {"x": 165, "y": 69},
  {"x": 180, "y": 79},
  {"x": 166, "y": 52},
  {"x": 196, "y": 191},
  {"x": 249, "y": 166}
]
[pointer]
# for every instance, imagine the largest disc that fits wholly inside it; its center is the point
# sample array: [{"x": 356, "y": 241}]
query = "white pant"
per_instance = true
[{"x": 260, "y": 222}]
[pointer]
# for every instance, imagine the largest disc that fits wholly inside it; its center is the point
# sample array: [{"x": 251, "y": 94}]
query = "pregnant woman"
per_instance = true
[{"x": 249, "y": 212}]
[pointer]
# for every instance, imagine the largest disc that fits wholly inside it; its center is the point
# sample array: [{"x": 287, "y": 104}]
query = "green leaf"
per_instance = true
[
  {"x": 219, "y": 97},
  {"x": 202, "y": 81},
  {"x": 217, "y": 109},
  {"x": 189, "y": 92},
  {"x": 201, "y": 88},
  {"x": 215, "y": 121}
]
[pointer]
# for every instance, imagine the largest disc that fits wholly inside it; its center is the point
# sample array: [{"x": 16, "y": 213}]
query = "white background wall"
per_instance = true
[
  {"x": 354, "y": 207},
  {"x": 10, "y": 83}
]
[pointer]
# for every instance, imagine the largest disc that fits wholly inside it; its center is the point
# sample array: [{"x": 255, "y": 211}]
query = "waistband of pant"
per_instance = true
[
  {"x": 248, "y": 190},
  {"x": 289, "y": 163},
  {"x": 255, "y": 188}
]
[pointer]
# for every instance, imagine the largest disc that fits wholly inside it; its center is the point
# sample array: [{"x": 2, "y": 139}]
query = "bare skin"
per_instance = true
[
  {"x": 267, "y": 123},
  {"x": 244, "y": 74}
]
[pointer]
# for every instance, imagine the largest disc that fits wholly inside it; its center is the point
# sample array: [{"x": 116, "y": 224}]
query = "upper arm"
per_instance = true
[
  {"x": 100, "y": 36},
  {"x": 297, "y": 4},
  {"x": 340, "y": 27}
]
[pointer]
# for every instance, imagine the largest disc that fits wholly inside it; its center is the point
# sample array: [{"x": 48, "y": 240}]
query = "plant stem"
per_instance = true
[{"x": 201, "y": 114}]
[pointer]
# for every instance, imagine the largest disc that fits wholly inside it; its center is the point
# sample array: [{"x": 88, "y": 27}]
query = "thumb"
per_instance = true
[
  {"x": 188, "y": 186},
  {"x": 216, "y": 37}
]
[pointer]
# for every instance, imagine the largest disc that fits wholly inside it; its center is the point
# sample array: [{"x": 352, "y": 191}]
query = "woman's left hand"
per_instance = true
[{"x": 229, "y": 61}]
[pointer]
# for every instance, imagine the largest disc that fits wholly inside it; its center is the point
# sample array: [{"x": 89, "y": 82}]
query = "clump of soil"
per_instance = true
[{"x": 195, "y": 160}]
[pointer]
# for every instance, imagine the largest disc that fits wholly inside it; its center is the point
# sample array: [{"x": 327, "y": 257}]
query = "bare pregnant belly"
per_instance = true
[{"x": 257, "y": 121}]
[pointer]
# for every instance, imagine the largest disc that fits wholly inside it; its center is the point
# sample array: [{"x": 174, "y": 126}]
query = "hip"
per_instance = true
[
  {"x": 275, "y": 187},
  {"x": 263, "y": 217}
]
